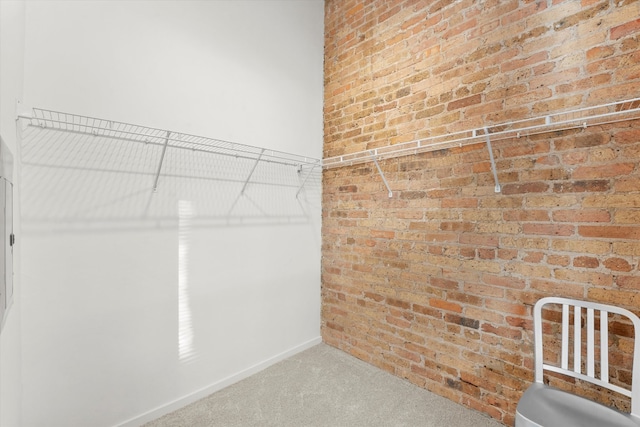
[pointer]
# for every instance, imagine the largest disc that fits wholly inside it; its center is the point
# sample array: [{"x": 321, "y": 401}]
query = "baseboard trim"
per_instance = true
[{"x": 218, "y": 385}]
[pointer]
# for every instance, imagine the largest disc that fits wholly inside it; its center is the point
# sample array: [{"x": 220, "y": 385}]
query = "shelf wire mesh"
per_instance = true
[
  {"x": 589, "y": 116},
  {"x": 80, "y": 171}
]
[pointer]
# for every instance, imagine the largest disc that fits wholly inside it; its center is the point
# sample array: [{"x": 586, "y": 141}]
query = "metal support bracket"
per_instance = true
[
  {"x": 164, "y": 150},
  {"x": 373, "y": 156},
  {"x": 493, "y": 162},
  {"x": 306, "y": 178},
  {"x": 246, "y": 182},
  {"x": 255, "y": 165}
]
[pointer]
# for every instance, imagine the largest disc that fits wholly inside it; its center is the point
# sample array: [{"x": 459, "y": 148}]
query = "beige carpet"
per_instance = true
[{"x": 323, "y": 387}]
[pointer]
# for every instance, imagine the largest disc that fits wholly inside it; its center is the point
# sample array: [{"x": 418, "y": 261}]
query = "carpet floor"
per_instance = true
[{"x": 324, "y": 387}]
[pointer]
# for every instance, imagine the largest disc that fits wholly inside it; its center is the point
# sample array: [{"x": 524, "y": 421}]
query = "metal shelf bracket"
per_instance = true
[
  {"x": 255, "y": 165},
  {"x": 373, "y": 156},
  {"x": 304, "y": 181},
  {"x": 493, "y": 162},
  {"x": 164, "y": 150},
  {"x": 580, "y": 118}
]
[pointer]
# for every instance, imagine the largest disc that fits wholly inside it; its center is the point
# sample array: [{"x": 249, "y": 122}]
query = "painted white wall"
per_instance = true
[
  {"x": 103, "y": 314},
  {"x": 243, "y": 71},
  {"x": 12, "y": 39}
]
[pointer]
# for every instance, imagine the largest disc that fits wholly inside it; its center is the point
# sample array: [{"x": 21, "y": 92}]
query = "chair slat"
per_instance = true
[
  {"x": 604, "y": 346},
  {"x": 577, "y": 335},
  {"x": 590, "y": 343},
  {"x": 564, "y": 361}
]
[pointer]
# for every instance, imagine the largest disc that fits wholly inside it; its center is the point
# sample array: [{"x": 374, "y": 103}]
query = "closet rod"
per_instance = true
[
  {"x": 86, "y": 125},
  {"x": 589, "y": 116}
]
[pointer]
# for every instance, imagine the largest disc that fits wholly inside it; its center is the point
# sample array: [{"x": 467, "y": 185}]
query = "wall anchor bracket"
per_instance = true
[
  {"x": 381, "y": 173},
  {"x": 164, "y": 150},
  {"x": 304, "y": 181},
  {"x": 253, "y": 169},
  {"x": 493, "y": 162}
]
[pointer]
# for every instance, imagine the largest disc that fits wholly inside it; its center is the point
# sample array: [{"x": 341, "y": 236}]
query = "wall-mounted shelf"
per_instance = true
[
  {"x": 83, "y": 170},
  {"x": 136, "y": 133},
  {"x": 584, "y": 117}
]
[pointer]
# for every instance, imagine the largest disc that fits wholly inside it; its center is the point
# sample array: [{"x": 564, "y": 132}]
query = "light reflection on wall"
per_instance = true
[{"x": 186, "y": 351}]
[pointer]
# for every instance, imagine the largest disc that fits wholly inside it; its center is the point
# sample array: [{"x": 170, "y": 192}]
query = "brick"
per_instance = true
[
  {"x": 479, "y": 239},
  {"x": 600, "y": 52},
  {"x": 561, "y": 260},
  {"x": 533, "y": 257},
  {"x": 582, "y": 216},
  {"x": 429, "y": 311},
  {"x": 586, "y": 262},
  {"x": 626, "y": 248},
  {"x": 523, "y": 150},
  {"x": 581, "y": 186},
  {"x": 550, "y": 287},
  {"x": 618, "y": 264},
  {"x": 484, "y": 290},
  {"x": 531, "y": 187},
  {"x": 609, "y": 232},
  {"x": 549, "y": 229},
  {"x": 445, "y": 305},
  {"x": 527, "y": 270},
  {"x": 348, "y": 188},
  {"x": 631, "y": 136},
  {"x": 460, "y": 203},
  {"x": 628, "y": 282},
  {"x": 410, "y": 195},
  {"x": 627, "y": 216},
  {"x": 619, "y": 91},
  {"x": 464, "y": 102},
  {"x": 463, "y": 321},
  {"x": 577, "y": 246},
  {"x": 618, "y": 298},
  {"x": 506, "y": 307},
  {"x": 525, "y": 62},
  {"x": 502, "y": 331},
  {"x": 443, "y": 283},
  {"x": 611, "y": 170},
  {"x": 525, "y": 243},
  {"x": 554, "y": 201},
  {"x": 625, "y": 29},
  {"x": 612, "y": 201},
  {"x": 398, "y": 303},
  {"x": 429, "y": 112},
  {"x": 383, "y": 234},
  {"x": 593, "y": 278}
]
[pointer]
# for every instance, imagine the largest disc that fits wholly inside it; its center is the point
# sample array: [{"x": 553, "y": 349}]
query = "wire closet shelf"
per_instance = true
[
  {"x": 580, "y": 118},
  {"x": 75, "y": 123},
  {"x": 83, "y": 170}
]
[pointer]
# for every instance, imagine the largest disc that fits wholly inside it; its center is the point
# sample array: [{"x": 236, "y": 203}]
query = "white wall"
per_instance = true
[
  {"x": 12, "y": 38},
  {"x": 243, "y": 71},
  {"x": 103, "y": 314}
]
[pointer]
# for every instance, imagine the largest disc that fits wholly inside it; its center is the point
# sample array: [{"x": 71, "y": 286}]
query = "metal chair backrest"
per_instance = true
[{"x": 577, "y": 369}]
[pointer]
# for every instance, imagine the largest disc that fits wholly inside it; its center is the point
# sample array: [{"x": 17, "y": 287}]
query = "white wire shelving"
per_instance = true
[
  {"x": 580, "y": 118},
  {"x": 87, "y": 169},
  {"x": 79, "y": 169},
  {"x": 142, "y": 134}
]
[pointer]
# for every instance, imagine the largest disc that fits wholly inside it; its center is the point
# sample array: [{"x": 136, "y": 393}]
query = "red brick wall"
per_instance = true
[{"x": 436, "y": 284}]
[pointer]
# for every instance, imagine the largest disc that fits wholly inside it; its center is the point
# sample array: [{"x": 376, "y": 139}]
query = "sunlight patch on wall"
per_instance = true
[{"x": 186, "y": 349}]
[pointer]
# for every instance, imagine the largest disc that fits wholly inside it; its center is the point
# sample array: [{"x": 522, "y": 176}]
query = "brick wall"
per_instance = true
[{"x": 436, "y": 284}]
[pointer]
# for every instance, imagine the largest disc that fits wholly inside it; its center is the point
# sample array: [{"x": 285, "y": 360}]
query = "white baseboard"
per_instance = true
[{"x": 218, "y": 385}]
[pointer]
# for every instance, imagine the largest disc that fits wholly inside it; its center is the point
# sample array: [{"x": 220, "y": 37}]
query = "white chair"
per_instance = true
[{"x": 546, "y": 406}]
